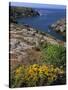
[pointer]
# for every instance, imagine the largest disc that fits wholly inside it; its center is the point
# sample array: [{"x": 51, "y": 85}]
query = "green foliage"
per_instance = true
[
  {"x": 17, "y": 76},
  {"x": 54, "y": 54}
]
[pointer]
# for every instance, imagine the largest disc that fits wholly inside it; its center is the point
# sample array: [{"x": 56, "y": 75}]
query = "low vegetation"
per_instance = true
[
  {"x": 49, "y": 70},
  {"x": 35, "y": 75},
  {"x": 54, "y": 54}
]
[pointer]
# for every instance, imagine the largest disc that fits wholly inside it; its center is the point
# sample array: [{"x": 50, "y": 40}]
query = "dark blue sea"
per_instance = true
[{"x": 46, "y": 18}]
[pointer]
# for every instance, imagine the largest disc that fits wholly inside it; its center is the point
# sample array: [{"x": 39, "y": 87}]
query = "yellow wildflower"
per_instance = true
[
  {"x": 35, "y": 66},
  {"x": 18, "y": 70},
  {"x": 30, "y": 72}
]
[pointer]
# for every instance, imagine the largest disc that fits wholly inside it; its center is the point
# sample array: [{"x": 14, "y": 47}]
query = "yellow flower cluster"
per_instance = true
[
  {"x": 35, "y": 74},
  {"x": 49, "y": 71}
]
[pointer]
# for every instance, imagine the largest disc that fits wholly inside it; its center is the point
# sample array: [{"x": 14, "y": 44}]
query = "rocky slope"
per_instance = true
[{"x": 25, "y": 42}]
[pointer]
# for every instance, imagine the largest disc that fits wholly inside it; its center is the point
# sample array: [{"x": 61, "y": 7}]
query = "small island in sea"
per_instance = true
[{"x": 37, "y": 41}]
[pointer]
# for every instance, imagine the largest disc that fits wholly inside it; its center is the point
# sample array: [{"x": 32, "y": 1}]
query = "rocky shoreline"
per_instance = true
[{"x": 59, "y": 27}]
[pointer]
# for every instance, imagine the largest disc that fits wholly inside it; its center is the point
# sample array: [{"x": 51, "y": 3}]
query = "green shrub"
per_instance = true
[{"x": 54, "y": 54}]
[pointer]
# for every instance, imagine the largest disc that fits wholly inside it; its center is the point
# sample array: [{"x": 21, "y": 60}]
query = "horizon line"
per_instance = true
[{"x": 37, "y": 5}]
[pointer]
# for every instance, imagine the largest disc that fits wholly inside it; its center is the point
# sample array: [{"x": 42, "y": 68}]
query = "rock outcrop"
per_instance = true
[{"x": 60, "y": 27}]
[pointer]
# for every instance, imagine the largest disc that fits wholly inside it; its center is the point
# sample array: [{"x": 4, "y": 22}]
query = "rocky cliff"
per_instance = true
[{"x": 20, "y": 12}]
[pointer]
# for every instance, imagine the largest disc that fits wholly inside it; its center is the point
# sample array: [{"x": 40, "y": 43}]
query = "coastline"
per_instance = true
[
  {"x": 31, "y": 32},
  {"x": 36, "y": 57}
]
